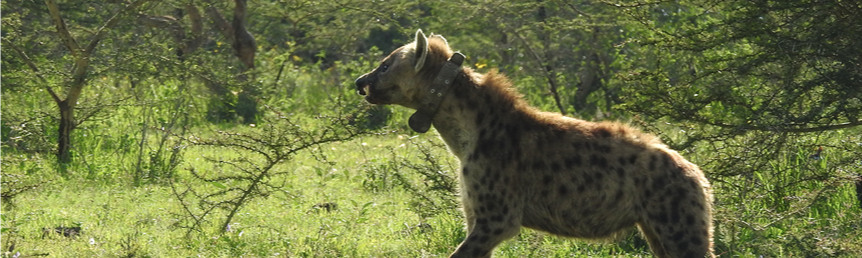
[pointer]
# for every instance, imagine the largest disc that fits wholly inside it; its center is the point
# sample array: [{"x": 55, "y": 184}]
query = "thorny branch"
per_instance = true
[{"x": 259, "y": 155}]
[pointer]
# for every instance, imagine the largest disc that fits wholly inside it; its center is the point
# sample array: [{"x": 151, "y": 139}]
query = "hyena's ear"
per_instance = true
[{"x": 421, "y": 49}]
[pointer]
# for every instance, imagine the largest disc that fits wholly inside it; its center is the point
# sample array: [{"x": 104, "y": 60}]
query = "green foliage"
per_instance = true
[
  {"x": 754, "y": 88},
  {"x": 765, "y": 65}
]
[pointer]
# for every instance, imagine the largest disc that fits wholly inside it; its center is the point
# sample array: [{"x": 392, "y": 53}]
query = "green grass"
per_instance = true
[{"x": 120, "y": 220}]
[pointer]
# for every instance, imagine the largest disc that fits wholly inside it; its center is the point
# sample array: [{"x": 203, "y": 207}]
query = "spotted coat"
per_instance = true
[{"x": 521, "y": 167}]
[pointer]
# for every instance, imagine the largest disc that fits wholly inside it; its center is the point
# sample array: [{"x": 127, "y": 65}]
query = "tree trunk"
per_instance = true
[
  {"x": 80, "y": 72},
  {"x": 244, "y": 45},
  {"x": 67, "y": 123},
  {"x": 548, "y": 57},
  {"x": 591, "y": 75},
  {"x": 244, "y": 48}
]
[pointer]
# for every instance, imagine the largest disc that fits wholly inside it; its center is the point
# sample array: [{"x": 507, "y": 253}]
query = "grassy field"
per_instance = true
[
  {"x": 324, "y": 210},
  {"x": 145, "y": 183}
]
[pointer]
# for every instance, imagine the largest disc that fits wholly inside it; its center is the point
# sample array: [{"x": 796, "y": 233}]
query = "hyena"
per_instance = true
[{"x": 541, "y": 170}]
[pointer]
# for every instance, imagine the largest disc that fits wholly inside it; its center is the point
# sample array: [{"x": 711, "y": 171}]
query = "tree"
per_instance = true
[
  {"x": 779, "y": 66},
  {"x": 759, "y": 86},
  {"x": 80, "y": 72},
  {"x": 563, "y": 52},
  {"x": 223, "y": 105},
  {"x": 244, "y": 48},
  {"x": 186, "y": 43}
]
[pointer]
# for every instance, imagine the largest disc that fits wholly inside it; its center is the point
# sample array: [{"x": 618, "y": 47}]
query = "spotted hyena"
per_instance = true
[{"x": 540, "y": 170}]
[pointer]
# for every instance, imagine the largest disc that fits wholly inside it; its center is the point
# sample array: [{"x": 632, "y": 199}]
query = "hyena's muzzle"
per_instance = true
[
  {"x": 369, "y": 85},
  {"x": 362, "y": 82}
]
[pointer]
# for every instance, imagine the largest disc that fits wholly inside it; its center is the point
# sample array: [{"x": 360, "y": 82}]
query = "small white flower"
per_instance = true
[{"x": 92, "y": 241}]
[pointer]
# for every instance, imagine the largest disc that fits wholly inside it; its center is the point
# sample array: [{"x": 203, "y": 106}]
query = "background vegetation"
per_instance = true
[{"x": 231, "y": 128}]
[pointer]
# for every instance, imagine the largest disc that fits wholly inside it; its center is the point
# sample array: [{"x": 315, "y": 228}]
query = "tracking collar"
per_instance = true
[{"x": 421, "y": 120}]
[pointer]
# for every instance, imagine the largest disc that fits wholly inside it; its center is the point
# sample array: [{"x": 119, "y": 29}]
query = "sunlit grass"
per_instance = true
[{"x": 118, "y": 219}]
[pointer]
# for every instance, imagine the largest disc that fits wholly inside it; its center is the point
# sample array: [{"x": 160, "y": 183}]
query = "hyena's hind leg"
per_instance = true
[
  {"x": 679, "y": 226},
  {"x": 654, "y": 240},
  {"x": 677, "y": 242}
]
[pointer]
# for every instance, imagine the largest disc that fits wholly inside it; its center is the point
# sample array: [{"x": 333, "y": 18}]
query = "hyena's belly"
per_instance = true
[{"x": 586, "y": 216}]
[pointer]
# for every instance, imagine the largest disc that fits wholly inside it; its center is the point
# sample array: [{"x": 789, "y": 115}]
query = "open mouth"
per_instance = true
[
  {"x": 362, "y": 90},
  {"x": 366, "y": 91}
]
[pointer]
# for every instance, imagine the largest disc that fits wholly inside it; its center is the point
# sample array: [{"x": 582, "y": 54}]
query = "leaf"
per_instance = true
[
  {"x": 219, "y": 185},
  {"x": 366, "y": 205},
  {"x": 364, "y": 209}
]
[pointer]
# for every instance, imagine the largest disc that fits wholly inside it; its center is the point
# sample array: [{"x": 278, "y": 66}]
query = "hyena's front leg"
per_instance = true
[
  {"x": 485, "y": 236},
  {"x": 490, "y": 220}
]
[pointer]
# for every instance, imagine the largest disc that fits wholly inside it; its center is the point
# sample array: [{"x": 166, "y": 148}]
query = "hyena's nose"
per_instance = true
[{"x": 360, "y": 84}]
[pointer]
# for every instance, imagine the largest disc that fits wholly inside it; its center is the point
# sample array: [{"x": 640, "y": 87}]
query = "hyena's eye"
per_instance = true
[{"x": 383, "y": 68}]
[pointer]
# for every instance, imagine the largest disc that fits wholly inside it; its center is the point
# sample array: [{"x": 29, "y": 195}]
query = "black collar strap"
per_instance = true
[{"x": 421, "y": 120}]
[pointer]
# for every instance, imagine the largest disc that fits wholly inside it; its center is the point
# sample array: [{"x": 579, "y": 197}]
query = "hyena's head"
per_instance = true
[{"x": 402, "y": 76}]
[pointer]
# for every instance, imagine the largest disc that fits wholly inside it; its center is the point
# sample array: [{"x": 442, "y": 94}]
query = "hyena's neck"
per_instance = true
[{"x": 474, "y": 102}]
